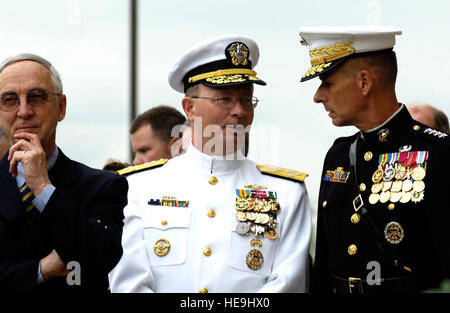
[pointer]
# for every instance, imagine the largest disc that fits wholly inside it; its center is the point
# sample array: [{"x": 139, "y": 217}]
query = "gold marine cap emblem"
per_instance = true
[{"x": 239, "y": 53}]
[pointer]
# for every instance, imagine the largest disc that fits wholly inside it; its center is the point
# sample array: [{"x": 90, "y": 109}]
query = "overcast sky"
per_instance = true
[{"x": 87, "y": 41}]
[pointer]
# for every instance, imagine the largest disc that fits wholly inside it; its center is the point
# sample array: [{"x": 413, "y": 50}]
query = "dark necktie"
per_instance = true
[{"x": 27, "y": 198}]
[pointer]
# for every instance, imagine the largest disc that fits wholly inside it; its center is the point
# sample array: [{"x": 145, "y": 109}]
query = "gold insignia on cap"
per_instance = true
[
  {"x": 239, "y": 53},
  {"x": 161, "y": 247},
  {"x": 318, "y": 68},
  {"x": 223, "y": 73},
  {"x": 281, "y": 172},
  {"x": 331, "y": 53},
  {"x": 322, "y": 58},
  {"x": 219, "y": 80}
]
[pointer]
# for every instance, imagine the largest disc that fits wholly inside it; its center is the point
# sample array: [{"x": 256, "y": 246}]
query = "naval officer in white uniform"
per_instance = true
[{"x": 211, "y": 220}]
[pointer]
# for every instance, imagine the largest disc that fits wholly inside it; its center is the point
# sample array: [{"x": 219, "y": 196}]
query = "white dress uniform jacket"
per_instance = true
[{"x": 206, "y": 253}]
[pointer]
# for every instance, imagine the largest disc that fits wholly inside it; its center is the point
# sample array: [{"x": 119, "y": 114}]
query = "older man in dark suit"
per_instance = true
[{"x": 60, "y": 221}]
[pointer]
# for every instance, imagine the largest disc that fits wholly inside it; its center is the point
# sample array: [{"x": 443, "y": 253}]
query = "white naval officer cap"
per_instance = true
[
  {"x": 330, "y": 46},
  {"x": 221, "y": 61}
]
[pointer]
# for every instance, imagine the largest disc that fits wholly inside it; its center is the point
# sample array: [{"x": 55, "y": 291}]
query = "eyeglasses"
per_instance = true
[
  {"x": 248, "y": 103},
  {"x": 9, "y": 102}
]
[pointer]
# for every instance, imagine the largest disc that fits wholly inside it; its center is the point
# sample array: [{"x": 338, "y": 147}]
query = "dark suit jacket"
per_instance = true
[{"x": 69, "y": 224}]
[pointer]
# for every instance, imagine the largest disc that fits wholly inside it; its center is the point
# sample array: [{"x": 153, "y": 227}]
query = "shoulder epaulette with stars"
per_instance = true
[
  {"x": 142, "y": 167},
  {"x": 431, "y": 132},
  {"x": 281, "y": 172}
]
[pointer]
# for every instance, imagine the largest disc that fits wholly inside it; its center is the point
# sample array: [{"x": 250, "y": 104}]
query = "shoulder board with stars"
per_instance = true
[
  {"x": 142, "y": 167},
  {"x": 431, "y": 132},
  {"x": 282, "y": 172}
]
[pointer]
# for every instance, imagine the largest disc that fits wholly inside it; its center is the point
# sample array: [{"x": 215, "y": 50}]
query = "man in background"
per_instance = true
[
  {"x": 151, "y": 134},
  {"x": 429, "y": 115}
]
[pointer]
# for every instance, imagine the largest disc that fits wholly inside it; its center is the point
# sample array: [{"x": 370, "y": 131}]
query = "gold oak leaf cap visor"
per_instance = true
[
  {"x": 330, "y": 46},
  {"x": 221, "y": 61}
]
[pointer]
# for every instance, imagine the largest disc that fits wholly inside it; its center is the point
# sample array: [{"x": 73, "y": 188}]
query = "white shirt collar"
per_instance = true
[{"x": 215, "y": 163}]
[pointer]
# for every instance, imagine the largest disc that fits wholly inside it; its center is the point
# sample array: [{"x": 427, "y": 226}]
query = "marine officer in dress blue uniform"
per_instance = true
[
  {"x": 383, "y": 204},
  {"x": 211, "y": 220}
]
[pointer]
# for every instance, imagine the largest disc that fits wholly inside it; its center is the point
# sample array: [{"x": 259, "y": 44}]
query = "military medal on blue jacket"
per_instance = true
[{"x": 398, "y": 178}]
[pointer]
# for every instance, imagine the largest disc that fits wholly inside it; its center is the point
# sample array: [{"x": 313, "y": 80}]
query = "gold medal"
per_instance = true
[
  {"x": 406, "y": 196},
  {"x": 241, "y": 216},
  {"x": 377, "y": 175},
  {"x": 386, "y": 185},
  {"x": 407, "y": 185},
  {"x": 373, "y": 198},
  {"x": 275, "y": 207},
  {"x": 259, "y": 205},
  {"x": 396, "y": 196},
  {"x": 385, "y": 196},
  {"x": 376, "y": 188},
  {"x": 419, "y": 186},
  {"x": 265, "y": 218},
  {"x": 389, "y": 174},
  {"x": 271, "y": 233},
  {"x": 267, "y": 207},
  {"x": 255, "y": 259},
  {"x": 393, "y": 232},
  {"x": 400, "y": 172},
  {"x": 250, "y": 216},
  {"x": 396, "y": 186},
  {"x": 418, "y": 173},
  {"x": 417, "y": 196},
  {"x": 241, "y": 204}
]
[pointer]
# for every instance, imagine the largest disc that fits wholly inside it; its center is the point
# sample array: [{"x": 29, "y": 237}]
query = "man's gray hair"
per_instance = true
[{"x": 56, "y": 79}]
